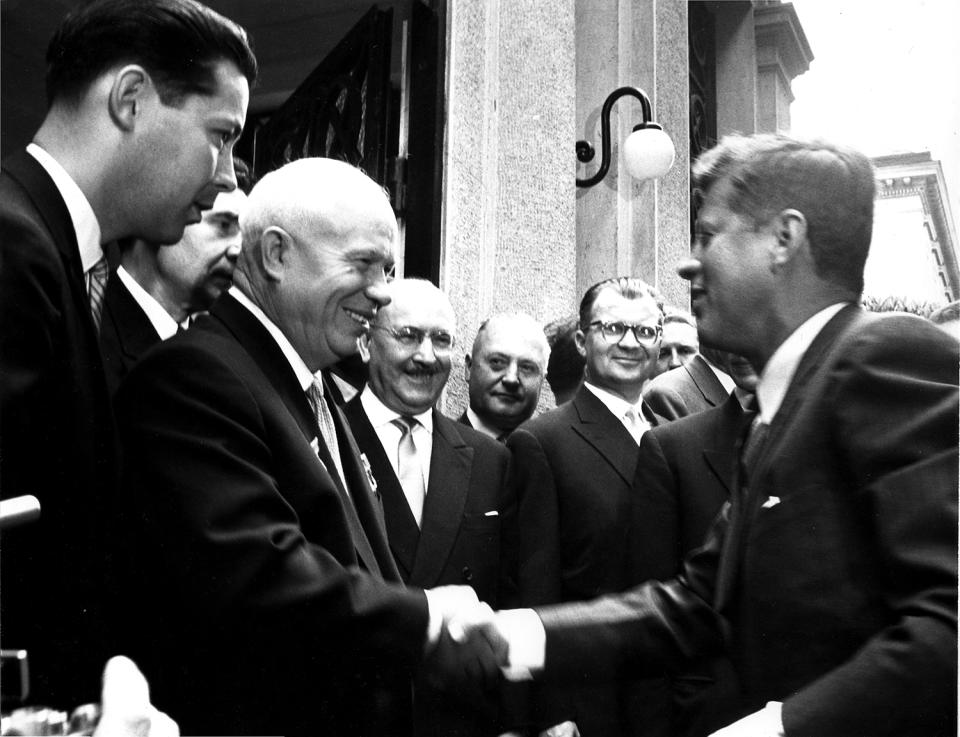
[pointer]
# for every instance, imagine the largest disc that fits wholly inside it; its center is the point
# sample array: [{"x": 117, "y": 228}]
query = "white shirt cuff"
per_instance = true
[{"x": 527, "y": 640}]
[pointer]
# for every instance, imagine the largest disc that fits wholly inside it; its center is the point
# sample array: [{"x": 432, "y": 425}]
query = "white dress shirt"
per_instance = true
[
  {"x": 382, "y": 417},
  {"x": 620, "y": 407},
  {"x": 85, "y": 224},
  {"x": 482, "y": 426}
]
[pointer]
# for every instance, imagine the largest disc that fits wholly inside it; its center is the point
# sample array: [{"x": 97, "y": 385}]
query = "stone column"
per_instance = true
[{"x": 509, "y": 238}]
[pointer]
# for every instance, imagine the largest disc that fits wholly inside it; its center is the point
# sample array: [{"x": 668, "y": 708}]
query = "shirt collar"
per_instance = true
[
  {"x": 482, "y": 426},
  {"x": 165, "y": 325},
  {"x": 380, "y": 414},
  {"x": 85, "y": 224},
  {"x": 304, "y": 375},
  {"x": 617, "y": 405},
  {"x": 779, "y": 371}
]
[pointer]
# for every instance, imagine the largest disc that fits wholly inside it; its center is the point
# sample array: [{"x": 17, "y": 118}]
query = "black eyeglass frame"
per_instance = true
[{"x": 614, "y": 332}]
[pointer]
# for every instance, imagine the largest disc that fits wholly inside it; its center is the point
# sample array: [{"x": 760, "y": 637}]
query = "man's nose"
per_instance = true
[
  {"x": 675, "y": 361},
  {"x": 376, "y": 292},
  {"x": 225, "y": 177},
  {"x": 688, "y": 268},
  {"x": 511, "y": 377}
]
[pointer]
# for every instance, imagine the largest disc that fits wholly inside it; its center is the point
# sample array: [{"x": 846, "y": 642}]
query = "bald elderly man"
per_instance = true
[{"x": 251, "y": 530}]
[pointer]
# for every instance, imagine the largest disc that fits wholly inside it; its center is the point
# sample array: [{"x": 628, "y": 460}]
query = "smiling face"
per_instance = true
[
  {"x": 200, "y": 266},
  {"x": 332, "y": 288},
  {"x": 730, "y": 274},
  {"x": 620, "y": 368},
  {"x": 506, "y": 370},
  {"x": 409, "y": 379},
  {"x": 184, "y": 156}
]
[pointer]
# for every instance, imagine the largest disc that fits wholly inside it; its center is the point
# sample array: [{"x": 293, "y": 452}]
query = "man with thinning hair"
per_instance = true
[
  {"x": 253, "y": 540},
  {"x": 146, "y": 99}
]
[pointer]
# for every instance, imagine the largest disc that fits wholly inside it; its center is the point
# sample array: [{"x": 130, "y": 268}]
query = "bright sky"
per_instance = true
[{"x": 885, "y": 78}]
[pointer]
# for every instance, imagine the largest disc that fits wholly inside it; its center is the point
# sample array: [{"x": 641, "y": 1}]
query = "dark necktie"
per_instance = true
[{"x": 96, "y": 288}]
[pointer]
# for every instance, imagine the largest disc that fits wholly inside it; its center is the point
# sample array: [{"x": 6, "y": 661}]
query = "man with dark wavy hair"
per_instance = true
[{"x": 146, "y": 99}]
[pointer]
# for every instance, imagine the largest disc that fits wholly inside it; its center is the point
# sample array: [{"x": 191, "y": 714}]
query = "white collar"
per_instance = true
[
  {"x": 304, "y": 375},
  {"x": 617, "y": 405},
  {"x": 85, "y": 224},
  {"x": 482, "y": 426},
  {"x": 778, "y": 373},
  {"x": 165, "y": 325},
  {"x": 380, "y": 414}
]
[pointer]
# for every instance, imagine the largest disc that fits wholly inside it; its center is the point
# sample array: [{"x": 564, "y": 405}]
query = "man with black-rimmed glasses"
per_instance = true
[{"x": 585, "y": 528}]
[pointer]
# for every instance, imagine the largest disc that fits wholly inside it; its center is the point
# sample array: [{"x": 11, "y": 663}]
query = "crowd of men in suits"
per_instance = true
[{"x": 246, "y": 484}]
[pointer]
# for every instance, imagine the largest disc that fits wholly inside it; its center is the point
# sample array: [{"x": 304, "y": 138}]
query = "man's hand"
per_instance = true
[
  {"x": 764, "y": 723},
  {"x": 126, "y": 707}
]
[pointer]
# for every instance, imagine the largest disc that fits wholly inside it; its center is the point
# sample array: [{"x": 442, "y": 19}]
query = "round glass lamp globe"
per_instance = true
[{"x": 648, "y": 153}]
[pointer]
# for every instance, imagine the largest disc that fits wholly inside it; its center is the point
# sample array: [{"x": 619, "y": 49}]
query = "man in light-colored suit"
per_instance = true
[{"x": 445, "y": 525}]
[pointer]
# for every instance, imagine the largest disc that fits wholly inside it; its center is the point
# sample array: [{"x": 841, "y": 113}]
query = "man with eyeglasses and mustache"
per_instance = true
[
  {"x": 442, "y": 484},
  {"x": 585, "y": 528}
]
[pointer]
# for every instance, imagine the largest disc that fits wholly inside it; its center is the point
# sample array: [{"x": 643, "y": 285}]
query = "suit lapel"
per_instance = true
[
  {"x": 723, "y": 461},
  {"x": 26, "y": 170},
  {"x": 261, "y": 346},
  {"x": 606, "y": 434},
  {"x": 706, "y": 381},
  {"x": 450, "y": 467},
  {"x": 402, "y": 531},
  {"x": 135, "y": 332}
]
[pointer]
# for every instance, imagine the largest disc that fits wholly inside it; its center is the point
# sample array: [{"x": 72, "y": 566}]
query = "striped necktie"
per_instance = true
[
  {"x": 325, "y": 422},
  {"x": 96, "y": 288}
]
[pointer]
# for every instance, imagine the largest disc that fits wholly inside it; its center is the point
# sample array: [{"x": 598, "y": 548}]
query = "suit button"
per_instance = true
[{"x": 467, "y": 574}]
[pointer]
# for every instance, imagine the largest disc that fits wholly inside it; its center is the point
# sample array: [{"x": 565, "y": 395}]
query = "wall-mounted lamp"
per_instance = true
[{"x": 648, "y": 152}]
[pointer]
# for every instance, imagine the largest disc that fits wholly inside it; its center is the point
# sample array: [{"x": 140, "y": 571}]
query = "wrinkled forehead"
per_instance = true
[
  {"x": 423, "y": 310},
  {"x": 610, "y": 305},
  {"x": 514, "y": 341}
]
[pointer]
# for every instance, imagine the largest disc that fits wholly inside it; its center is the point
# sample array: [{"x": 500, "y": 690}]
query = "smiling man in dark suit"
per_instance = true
[
  {"x": 137, "y": 139},
  {"x": 443, "y": 516},
  {"x": 831, "y": 578},
  {"x": 252, "y": 533},
  {"x": 583, "y": 523}
]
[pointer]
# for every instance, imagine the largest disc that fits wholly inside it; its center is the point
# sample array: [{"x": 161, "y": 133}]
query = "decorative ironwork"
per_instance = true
[
  {"x": 703, "y": 86},
  {"x": 340, "y": 111}
]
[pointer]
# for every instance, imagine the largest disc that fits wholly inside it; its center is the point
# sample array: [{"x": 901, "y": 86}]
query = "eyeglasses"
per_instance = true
[
  {"x": 411, "y": 337},
  {"x": 613, "y": 332}
]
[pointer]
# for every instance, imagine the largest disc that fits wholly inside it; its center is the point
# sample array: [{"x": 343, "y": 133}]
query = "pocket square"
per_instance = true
[
  {"x": 772, "y": 501},
  {"x": 491, "y": 513}
]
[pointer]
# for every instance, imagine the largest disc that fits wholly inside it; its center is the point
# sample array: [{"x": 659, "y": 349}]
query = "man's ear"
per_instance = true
[
  {"x": 275, "y": 245},
  {"x": 580, "y": 341},
  {"x": 467, "y": 365},
  {"x": 363, "y": 345},
  {"x": 790, "y": 233},
  {"x": 129, "y": 92}
]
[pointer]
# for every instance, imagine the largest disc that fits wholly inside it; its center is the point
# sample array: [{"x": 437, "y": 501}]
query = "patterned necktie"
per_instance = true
[
  {"x": 325, "y": 422},
  {"x": 752, "y": 447},
  {"x": 408, "y": 465},
  {"x": 96, "y": 288}
]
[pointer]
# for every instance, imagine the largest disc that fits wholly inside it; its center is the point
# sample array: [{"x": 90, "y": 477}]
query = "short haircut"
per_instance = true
[
  {"x": 947, "y": 313},
  {"x": 565, "y": 365},
  {"x": 833, "y": 186},
  {"x": 627, "y": 286},
  {"x": 672, "y": 314},
  {"x": 178, "y": 42},
  {"x": 520, "y": 321}
]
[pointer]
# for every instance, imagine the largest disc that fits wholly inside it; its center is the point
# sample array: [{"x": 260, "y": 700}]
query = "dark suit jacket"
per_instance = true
[
  {"x": 835, "y": 578},
  {"x": 126, "y": 332},
  {"x": 587, "y": 530},
  {"x": 457, "y": 542},
  {"x": 693, "y": 460},
  {"x": 56, "y": 442},
  {"x": 682, "y": 391},
  {"x": 267, "y": 601}
]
